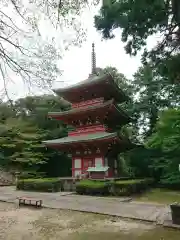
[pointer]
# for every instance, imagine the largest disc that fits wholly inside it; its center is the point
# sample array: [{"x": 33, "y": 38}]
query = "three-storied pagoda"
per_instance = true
[{"x": 93, "y": 144}]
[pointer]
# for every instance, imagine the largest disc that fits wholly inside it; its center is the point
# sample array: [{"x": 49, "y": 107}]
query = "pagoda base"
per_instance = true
[
  {"x": 68, "y": 184},
  {"x": 80, "y": 166}
]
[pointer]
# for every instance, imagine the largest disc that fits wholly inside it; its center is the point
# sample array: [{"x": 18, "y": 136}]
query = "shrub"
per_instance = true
[
  {"x": 129, "y": 187},
  {"x": 39, "y": 184},
  {"x": 117, "y": 188},
  {"x": 92, "y": 187},
  {"x": 171, "y": 182}
]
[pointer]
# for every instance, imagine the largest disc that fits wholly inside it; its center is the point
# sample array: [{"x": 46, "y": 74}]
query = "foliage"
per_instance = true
[
  {"x": 117, "y": 188},
  {"x": 23, "y": 127},
  {"x": 141, "y": 19},
  {"x": 166, "y": 139},
  {"x": 130, "y": 187},
  {"x": 39, "y": 184},
  {"x": 21, "y": 147},
  {"x": 151, "y": 94},
  {"x": 91, "y": 187}
]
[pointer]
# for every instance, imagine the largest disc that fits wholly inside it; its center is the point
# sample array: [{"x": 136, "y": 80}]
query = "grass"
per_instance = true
[{"x": 157, "y": 195}]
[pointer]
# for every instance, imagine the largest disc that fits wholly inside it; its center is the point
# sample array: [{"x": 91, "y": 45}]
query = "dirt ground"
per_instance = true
[{"x": 52, "y": 224}]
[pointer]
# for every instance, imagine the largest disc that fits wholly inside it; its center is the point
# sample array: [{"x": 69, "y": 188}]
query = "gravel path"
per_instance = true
[
  {"x": 55, "y": 224},
  {"x": 110, "y": 206}
]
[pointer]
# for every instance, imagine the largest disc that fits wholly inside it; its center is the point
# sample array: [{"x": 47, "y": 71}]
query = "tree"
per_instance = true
[
  {"x": 24, "y": 51},
  {"x": 166, "y": 140},
  {"x": 141, "y": 19},
  {"x": 24, "y": 124},
  {"x": 151, "y": 94}
]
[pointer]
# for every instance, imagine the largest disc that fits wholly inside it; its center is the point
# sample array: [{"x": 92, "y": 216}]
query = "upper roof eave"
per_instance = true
[
  {"x": 85, "y": 82},
  {"x": 91, "y": 82}
]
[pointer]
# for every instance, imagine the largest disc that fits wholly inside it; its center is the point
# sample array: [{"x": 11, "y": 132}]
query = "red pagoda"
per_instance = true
[{"x": 94, "y": 115}]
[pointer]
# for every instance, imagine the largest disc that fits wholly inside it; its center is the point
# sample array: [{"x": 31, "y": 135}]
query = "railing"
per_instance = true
[{"x": 90, "y": 129}]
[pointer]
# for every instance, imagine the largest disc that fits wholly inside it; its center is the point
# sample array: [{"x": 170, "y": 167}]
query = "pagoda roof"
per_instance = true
[
  {"x": 81, "y": 138},
  {"x": 100, "y": 86},
  {"x": 102, "y": 107}
]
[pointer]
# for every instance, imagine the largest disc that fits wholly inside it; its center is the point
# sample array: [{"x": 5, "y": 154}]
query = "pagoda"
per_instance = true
[{"x": 93, "y": 143}]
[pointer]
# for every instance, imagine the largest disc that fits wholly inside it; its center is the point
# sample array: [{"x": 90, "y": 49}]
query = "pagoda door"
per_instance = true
[{"x": 87, "y": 162}]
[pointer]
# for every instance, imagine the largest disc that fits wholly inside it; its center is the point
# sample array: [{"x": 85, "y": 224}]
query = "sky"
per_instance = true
[{"x": 76, "y": 62}]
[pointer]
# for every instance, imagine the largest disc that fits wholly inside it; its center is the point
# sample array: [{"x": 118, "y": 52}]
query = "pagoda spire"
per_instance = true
[{"x": 93, "y": 59}]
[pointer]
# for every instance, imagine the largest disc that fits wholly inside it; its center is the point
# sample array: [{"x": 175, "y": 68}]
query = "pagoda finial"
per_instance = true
[{"x": 93, "y": 70}]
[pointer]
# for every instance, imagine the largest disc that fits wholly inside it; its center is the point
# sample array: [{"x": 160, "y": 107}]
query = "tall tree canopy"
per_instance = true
[
  {"x": 140, "y": 19},
  {"x": 151, "y": 94},
  {"x": 166, "y": 140}
]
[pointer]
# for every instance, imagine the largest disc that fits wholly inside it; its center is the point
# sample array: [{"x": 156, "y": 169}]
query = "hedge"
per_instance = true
[
  {"x": 39, "y": 184},
  {"x": 116, "y": 188},
  {"x": 91, "y": 187},
  {"x": 129, "y": 187}
]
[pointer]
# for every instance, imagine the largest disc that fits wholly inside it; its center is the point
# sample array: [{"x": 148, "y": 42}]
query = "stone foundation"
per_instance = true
[{"x": 68, "y": 184}]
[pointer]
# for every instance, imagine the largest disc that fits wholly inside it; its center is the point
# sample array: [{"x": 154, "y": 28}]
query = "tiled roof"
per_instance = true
[
  {"x": 89, "y": 81},
  {"x": 89, "y": 109},
  {"x": 81, "y": 109},
  {"x": 81, "y": 138},
  {"x": 90, "y": 85}
]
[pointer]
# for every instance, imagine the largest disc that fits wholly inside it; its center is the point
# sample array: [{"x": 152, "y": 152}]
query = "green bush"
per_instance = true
[
  {"x": 116, "y": 188},
  {"x": 92, "y": 187},
  {"x": 39, "y": 184},
  {"x": 130, "y": 187},
  {"x": 171, "y": 181}
]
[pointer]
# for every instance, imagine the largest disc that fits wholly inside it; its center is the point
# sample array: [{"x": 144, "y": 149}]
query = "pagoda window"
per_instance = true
[{"x": 77, "y": 163}]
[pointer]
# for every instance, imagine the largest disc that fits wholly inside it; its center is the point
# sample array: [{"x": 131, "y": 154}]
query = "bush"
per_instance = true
[
  {"x": 130, "y": 187},
  {"x": 171, "y": 182},
  {"x": 39, "y": 184},
  {"x": 92, "y": 187},
  {"x": 116, "y": 188}
]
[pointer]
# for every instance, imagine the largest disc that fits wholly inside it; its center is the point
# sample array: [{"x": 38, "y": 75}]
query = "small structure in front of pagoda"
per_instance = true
[
  {"x": 93, "y": 144},
  {"x": 98, "y": 172}
]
